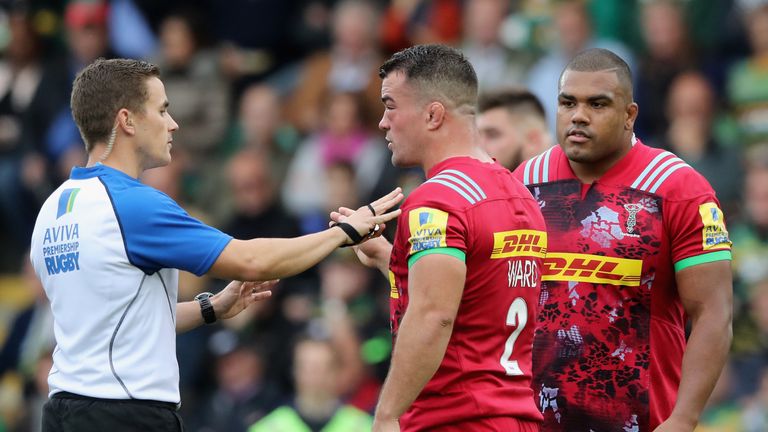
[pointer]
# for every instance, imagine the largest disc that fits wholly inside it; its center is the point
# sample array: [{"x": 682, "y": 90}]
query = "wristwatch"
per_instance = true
[{"x": 206, "y": 308}]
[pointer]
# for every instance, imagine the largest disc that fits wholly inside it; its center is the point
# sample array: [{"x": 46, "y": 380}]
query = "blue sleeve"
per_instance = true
[{"x": 159, "y": 234}]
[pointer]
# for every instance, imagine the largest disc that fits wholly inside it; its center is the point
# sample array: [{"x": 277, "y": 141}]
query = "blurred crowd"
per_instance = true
[{"x": 278, "y": 103}]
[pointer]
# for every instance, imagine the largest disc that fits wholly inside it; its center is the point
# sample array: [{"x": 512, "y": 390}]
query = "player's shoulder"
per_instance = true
[
  {"x": 457, "y": 186},
  {"x": 541, "y": 168},
  {"x": 665, "y": 174}
]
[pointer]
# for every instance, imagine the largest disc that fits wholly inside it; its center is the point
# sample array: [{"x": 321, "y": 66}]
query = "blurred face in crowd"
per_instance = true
[
  {"x": 341, "y": 186},
  {"x": 690, "y": 95},
  {"x": 315, "y": 369},
  {"x": 354, "y": 27},
  {"x": 87, "y": 36},
  {"x": 177, "y": 41},
  {"x": 259, "y": 113},
  {"x": 690, "y": 108},
  {"x": 343, "y": 116},
  {"x": 23, "y": 45},
  {"x": 663, "y": 29},
  {"x": 166, "y": 179},
  {"x": 573, "y": 26},
  {"x": 251, "y": 183},
  {"x": 594, "y": 114},
  {"x": 757, "y": 26},
  {"x": 483, "y": 20},
  {"x": 403, "y": 119},
  {"x": 239, "y": 370},
  {"x": 154, "y": 127},
  {"x": 756, "y": 191}
]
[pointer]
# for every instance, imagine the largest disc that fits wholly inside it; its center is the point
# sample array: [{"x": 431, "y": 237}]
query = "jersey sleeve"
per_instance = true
[
  {"x": 697, "y": 227},
  {"x": 157, "y": 233},
  {"x": 433, "y": 227}
]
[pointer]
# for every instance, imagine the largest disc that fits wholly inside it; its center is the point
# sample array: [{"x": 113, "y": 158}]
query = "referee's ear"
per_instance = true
[{"x": 125, "y": 121}]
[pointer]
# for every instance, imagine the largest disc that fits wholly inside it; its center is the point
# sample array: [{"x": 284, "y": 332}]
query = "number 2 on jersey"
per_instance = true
[{"x": 517, "y": 316}]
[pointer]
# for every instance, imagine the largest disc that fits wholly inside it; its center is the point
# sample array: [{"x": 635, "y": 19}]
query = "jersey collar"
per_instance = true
[
  {"x": 82, "y": 173},
  {"x": 620, "y": 170}
]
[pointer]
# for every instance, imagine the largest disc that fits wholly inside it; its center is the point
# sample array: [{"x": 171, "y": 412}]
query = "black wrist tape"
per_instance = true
[{"x": 351, "y": 233}]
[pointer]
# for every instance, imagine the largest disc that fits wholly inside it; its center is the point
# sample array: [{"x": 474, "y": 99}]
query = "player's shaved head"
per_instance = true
[
  {"x": 597, "y": 60},
  {"x": 438, "y": 72}
]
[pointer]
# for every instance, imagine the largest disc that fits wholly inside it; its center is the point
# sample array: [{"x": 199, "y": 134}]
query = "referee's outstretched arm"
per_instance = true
[{"x": 271, "y": 258}]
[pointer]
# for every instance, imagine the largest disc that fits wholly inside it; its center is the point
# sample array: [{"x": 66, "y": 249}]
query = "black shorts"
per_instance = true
[{"x": 67, "y": 412}]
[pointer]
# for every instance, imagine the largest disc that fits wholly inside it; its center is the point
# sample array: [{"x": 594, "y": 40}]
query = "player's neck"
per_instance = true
[
  {"x": 589, "y": 172},
  {"x": 454, "y": 142}
]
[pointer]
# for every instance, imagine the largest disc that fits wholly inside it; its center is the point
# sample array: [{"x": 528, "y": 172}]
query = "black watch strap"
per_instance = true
[{"x": 206, "y": 307}]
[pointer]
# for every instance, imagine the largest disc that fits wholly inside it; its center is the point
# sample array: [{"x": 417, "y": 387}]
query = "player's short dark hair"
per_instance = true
[
  {"x": 104, "y": 87},
  {"x": 599, "y": 59},
  {"x": 437, "y": 71},
  {"x": 513, "y": 100}
]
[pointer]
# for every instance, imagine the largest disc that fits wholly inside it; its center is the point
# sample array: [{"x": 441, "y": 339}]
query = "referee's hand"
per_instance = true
[{"x": 239, "y": 295}]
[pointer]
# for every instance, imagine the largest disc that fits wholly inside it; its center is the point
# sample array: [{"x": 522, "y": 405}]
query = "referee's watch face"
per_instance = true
[{"x": 155, "y": 127}]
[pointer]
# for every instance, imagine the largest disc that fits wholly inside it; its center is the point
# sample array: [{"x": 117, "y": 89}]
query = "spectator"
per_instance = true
[
  {"x": 409, "y": 22},
  {"x": 573, "y": 33},
  {"x": 668, "y": 53},
  {"x": 243, "y": 393},
  {"x": 86, "y": 31},
  {"x": 342, "y": 137},
  {"x": 256, "y": 207},
  {"x": 316, "y": 404},
  {"x": 723, "y": 412},
  {"x": 750, "y": 259},
  {"x": 260, "y": 126},
  {"x": 690, "y": 113},
  {"x": 495, "y": 64},
  {"x": 350, "y": 66},
  {"x": 193, "y": 80},
  {"x": 31, "y": 94},
  {"x": 748, "y": 80}
]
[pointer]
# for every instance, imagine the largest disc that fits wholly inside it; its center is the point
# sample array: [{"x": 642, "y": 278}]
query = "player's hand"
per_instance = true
[
  {"x": 368, "y": 219},
  {"x": 374, "y": 252},
  {"x": 239, "y": 295},
  {"x": 380, "y": 425}
]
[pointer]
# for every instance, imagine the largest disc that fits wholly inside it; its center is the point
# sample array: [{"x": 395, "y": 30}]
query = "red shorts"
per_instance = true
[{"x": 489, "y": 424}]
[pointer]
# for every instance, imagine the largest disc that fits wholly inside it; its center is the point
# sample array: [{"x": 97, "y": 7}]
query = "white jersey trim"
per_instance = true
[
  {"x": 461, "y": 184},
  {"x": 532, "y": 176},
  {"x": 660, "y": 168}
]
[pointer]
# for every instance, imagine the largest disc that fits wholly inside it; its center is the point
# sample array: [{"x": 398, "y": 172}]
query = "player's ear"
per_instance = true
[
  {"x": 632, "y": 110},
  {"x": 435, "y": 115},
  {"x": 125, "y": 121}
]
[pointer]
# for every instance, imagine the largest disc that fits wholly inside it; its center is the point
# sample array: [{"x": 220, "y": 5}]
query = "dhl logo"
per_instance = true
[
  {"x": 530, "y": 243},
  {"x": 559, "y": 266},
  {"x": 393, "y": 293}
]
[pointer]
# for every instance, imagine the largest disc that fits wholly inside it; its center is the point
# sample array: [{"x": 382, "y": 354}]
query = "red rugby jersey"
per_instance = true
[
  {"x": 610, "y": 334},
  {"x": 480, "y": 214}
]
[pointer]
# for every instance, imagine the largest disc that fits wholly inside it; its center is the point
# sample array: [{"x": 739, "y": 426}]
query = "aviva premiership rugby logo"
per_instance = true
[
  {"x": 428, "y": 228},
  {"x": 67, "y": 201},
  {"x": 714, "y": 234}
]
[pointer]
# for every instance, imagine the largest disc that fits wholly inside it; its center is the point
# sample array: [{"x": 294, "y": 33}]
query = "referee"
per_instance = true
[{"x": 107, "y": 249}]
